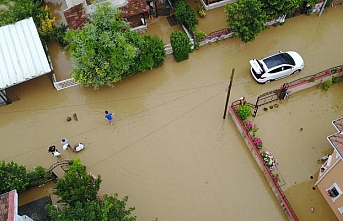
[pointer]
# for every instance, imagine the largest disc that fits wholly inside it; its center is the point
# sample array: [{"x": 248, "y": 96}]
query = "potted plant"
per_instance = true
[
  {"x": 269, "y": 160},
  {"x": 201, "y": 11},
  {"x": 244, "y": 111}
]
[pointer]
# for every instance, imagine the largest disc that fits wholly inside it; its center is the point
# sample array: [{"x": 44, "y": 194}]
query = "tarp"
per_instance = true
[{"x": 22, "y": 55}]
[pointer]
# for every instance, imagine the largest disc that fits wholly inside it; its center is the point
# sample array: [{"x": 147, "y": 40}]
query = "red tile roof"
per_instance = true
[
  {"x": 338, "y": 124},
  {"x": 75, "y": 16},
  {"x": 134, "y": 7},
  {"x": 336, "y": 140},
  {"x": 7, "y": 206}
]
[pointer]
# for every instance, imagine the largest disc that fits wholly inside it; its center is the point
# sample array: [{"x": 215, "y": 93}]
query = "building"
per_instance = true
[
  {"x": 330, "y": 180},
  {"x": 22, "y": 56},
  {"x": 134, "y": 11},
  {"x": 9, "y": 207}
]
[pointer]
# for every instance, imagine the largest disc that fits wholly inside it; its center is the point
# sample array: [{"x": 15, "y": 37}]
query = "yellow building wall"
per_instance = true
[{"x": 333, "y": 174}]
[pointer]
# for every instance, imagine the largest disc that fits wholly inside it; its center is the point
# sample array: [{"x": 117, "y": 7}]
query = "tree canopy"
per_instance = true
[
  {"x": 246, "y": 18},
  {"x": 277, "y": 8},
  {"x": 105, "y": 51},
  {"x": 78, "y": 193}
]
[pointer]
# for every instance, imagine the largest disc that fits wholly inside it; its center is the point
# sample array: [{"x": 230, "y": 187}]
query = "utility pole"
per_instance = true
[
  {"x": 228, "y": 92},
  {"x": 322, "y": 8}
]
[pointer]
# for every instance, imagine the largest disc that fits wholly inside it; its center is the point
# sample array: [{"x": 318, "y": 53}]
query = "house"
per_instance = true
[
  {"x": 9, "y": 207},
  {"x": 134, "y": 11},
  {"x": 330, "y": 180},
  {"x": 22, "y": 56}
]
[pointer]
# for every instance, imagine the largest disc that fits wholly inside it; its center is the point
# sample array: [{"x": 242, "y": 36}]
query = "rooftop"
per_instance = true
[{"x": 336, "y": 140}]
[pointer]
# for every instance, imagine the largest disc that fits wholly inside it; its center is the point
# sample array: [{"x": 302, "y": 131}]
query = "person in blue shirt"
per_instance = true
[{"x": 109, "y": 117}]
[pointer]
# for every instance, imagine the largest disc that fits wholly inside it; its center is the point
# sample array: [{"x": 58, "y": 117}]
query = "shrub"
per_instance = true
[
  {"x": 60, "y": 33},
  {"x": 46, "y": 23},
  {"x": 198, "y": 35},
  {"x": 244, "y": 111},
  {"x": 327, "y": 84},
  {"x": 181, "y": 45},
  {"x": 335, "y": 80},
  {"x": 38, "y": 176},
  {"x": 185, "y": 15},
  {"x": 13, "y": 176},
  {"x": 201, "y": 10}
]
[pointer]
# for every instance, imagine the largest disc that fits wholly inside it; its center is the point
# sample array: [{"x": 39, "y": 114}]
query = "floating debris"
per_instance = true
[
  {"x": 68, "y": 118},
  {"x": 75, "y": 117}
]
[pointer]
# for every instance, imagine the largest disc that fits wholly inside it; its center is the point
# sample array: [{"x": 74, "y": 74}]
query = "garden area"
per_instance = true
[{"x": 288, "y": 158}]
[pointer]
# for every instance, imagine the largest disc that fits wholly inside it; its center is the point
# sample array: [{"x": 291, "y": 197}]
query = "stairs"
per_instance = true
[{"x": 60, "y": 85}]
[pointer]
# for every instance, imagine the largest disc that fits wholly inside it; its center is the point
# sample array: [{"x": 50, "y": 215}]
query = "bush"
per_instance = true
[
  {"x": 46, "y": 23},
  {"x": 244, "y": 111},
  {"x": 181, "y": 45},
  {"x": 185, "y": 15},
  {"x": 335, "y": 80},
  {"x": 13, "y": 176},
  {"x": 198, "y": 35},
  {"x": 60, "y": 33},
  {"x": 327, "y": 84},
  {"x": 38, "y": 176}
]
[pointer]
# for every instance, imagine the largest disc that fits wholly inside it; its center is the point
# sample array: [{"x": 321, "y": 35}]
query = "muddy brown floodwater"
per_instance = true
[{"x": 170, "y": 150}]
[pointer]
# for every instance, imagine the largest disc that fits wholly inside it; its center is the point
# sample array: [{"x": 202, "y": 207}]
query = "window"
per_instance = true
[
  {"x": 334, "y": 192},
  {"x": 276, "y": 70}
]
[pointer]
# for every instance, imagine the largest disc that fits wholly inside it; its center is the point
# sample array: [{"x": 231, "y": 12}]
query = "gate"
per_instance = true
[{"x": 162, "y": 8}]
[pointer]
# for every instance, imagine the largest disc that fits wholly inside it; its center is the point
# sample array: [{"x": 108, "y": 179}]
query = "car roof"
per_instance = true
[{"x": 278, "y": 59}]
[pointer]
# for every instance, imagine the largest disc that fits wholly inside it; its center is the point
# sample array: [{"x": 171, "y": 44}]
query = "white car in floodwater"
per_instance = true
[{"x": 276, "y": 66}]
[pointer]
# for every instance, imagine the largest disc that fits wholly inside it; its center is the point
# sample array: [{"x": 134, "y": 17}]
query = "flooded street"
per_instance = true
[{"x": 169, "y": 149}]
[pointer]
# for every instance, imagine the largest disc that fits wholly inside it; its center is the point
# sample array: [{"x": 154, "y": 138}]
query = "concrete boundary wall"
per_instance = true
[
  {"x": 276, "y": 189},
  {"x": 319, "y": 78}
]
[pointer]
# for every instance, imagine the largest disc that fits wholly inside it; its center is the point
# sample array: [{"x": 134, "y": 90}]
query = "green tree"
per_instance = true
[
  {"x": 110, "y": 208},
  {"x": 150, "y": 53},
  {"x": 13, "y": 176},
  {"x": 77, "y": 185},
  {"x": 181, "y": 45},
  {"x": 277, "y": 8},
  {"x": 18, "y": 10},
  {"x": 246, "y": 19},
  {"x": 101, "y": 52},
  {"x": 105, "y": 51},
  {"x": 185, "y": 15},
  {"x": 78, "y": 193}
]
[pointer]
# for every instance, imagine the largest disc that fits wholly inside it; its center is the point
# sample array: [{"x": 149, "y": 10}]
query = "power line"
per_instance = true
[
  {"x": 134, "y": 114},
  {"x": 151, "y": 133}
]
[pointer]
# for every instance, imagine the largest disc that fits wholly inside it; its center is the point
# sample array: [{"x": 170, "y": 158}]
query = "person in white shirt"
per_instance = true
[
  {"x": 54, "y": 151},
  {"x": 65, "y": 143},
  {"x": 79, "y": 147}
]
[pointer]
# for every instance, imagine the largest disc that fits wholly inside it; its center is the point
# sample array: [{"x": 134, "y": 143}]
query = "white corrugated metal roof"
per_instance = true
[{"x": 22, "y": 55}]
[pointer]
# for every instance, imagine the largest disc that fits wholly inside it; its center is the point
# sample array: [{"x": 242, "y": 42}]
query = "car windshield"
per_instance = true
[{"x": 278, "y": 59}]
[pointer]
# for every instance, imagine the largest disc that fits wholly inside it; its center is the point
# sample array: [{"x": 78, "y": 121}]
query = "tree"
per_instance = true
[
  {"x": 277, "y": 8},
  {"x": 111, "y": 208},
  {"x": 77, "y": 185},
  {"x": 246, "y": 19},
  {"x": 13, "y": 176},
  {"x": 105, "y": 51},
  {"x": 185, "y": 15},
  {"x": 150, "y": 54},
  {"x": 19, "y": 10},
  {"x": 78, "y": 191},
  {"x": 100, "y": 50}
]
